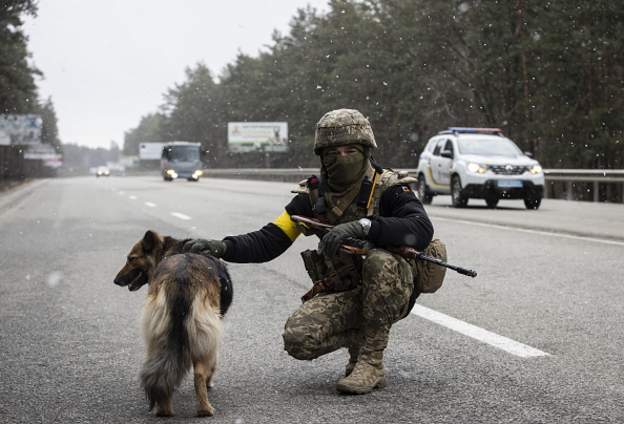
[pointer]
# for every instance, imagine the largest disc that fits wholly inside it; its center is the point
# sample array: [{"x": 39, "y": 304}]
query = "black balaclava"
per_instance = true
[{"x": 342, "y": 178}]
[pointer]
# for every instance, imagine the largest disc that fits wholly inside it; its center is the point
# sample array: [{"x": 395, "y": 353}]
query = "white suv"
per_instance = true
[{"x": 478, "y": 163}]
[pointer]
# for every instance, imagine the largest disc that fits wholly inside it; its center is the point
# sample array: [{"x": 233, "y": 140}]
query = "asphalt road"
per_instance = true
[{"x": 550, "y": 283}]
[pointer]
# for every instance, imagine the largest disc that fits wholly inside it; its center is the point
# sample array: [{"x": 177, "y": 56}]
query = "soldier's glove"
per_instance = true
[
  {"x": 331, "y": 242},
  {"x": 215, "y": 248}
]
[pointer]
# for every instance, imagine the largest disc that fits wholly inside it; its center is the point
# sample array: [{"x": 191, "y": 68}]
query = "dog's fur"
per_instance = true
[{"x": 188, "y": 295}]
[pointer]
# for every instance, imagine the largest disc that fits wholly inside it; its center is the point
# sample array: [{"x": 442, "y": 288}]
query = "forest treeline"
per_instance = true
[
  {"x": 549, "y": 73},
  {"x": 18, "y": 89}
]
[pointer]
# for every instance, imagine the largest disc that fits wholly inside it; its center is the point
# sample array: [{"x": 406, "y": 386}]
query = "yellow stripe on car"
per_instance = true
[{"x": 287, "y": 225}]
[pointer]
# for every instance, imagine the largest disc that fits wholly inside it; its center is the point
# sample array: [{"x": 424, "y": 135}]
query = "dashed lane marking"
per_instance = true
[
  {"x": 150, "y": 204},
  {"x": 133, "y": 197},
  {"x": 478, "y": 333},
  {"x": 529, "y": 231},
  {"x": 181, "y": 216}
]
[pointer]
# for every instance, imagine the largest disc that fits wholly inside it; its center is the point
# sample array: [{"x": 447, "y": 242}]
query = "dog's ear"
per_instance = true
[{"x": 151, "y": 239}]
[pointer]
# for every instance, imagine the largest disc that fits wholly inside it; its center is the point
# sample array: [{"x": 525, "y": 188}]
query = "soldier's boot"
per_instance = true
[{"x": 368, "y": 372}]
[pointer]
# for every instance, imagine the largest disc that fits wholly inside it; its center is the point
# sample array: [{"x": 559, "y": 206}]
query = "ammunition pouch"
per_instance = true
[
  {"x": 314, "y": 264},
  {"x": 329, "y": 276},
  {"x": 428, "y": 277}
]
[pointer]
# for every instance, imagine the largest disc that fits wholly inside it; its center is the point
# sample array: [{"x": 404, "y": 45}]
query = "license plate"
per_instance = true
[{"x": 509, "y": 183}]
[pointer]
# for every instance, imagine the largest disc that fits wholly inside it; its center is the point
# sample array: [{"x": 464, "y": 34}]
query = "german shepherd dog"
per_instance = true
[{"x": 187, "y": 296}]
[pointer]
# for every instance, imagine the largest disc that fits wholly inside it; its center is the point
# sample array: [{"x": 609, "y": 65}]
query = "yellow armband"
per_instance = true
[{"x": 287, "y": 225}]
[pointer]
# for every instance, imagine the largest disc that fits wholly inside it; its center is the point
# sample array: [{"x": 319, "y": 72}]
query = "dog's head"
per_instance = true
[{"x": 142, "y": 259}]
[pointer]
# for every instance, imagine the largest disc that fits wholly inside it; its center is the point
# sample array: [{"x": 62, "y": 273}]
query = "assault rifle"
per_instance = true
[{"x": 361, "y": 247}]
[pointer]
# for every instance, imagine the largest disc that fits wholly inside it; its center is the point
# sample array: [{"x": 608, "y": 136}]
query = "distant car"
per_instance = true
[
  {"x": 478, "y": 163},
  {"x": 102, "y": 171}
]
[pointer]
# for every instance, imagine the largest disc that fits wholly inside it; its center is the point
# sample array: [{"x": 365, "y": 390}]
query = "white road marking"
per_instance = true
[
  {"x": 181, "y": 216},
  {"x": 150, "y": 204},
  {"x": 478, "y": 333},
  {"x": 529, "y": 231},
  {"x": 121, "y": 193},
  {"x": 133, "y": 197}
]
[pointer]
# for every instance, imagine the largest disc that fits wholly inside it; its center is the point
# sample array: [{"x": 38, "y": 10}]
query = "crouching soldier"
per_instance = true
[{"x": 355, "y": 299}]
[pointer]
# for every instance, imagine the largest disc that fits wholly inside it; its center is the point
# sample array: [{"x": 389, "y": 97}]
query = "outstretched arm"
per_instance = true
[{"x": 271, "y": 240}]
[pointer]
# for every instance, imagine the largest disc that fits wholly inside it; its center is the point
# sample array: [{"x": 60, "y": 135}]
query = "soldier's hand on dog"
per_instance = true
[
  {"x": 215, "y": 248},
  {"x": 331, "y": 242}
]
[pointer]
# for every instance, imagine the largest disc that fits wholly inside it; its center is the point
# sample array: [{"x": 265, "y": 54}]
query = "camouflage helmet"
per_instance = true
[{"x": 343, "y": 126}]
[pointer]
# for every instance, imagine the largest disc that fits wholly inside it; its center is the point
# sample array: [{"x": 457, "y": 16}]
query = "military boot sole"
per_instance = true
[{"x": 352, "y": 389}]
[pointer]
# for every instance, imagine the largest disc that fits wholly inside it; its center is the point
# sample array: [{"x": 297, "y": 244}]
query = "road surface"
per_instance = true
[{"x": 537, "y": 337}]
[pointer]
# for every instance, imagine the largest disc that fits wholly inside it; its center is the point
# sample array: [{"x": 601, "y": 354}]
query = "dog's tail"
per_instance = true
[
  {"x": 179, "y": 326},
  {"x": 166, "y": 338}
]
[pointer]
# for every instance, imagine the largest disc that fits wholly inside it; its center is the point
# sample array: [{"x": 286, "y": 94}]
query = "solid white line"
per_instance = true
[
  {"x": 181, "y": 216},
  {"x": 133, "y": 197},
  {"x": 478, "y": 333},
  {"x": 529, "y": 231},
  {"x": 150, "y": 204}
]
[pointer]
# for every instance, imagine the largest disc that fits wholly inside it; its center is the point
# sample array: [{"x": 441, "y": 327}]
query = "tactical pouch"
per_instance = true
[
  {"x": 428, "y": 277},
  {"x": 314, "y": 264},
  {"x": 329, "y": 278}
]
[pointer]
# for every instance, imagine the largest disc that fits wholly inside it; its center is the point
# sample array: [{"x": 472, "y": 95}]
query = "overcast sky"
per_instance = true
[{"x": 108, "y": 62}]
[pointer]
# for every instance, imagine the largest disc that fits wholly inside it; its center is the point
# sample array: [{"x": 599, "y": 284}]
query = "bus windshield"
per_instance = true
[{"x": 182, "y": 153}]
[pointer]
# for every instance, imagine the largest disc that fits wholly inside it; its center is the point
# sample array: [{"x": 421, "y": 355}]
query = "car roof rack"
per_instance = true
[{"x": 471, "y": 130}]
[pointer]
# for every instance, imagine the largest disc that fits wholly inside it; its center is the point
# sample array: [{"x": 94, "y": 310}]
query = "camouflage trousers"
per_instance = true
[{"x": 332, "y": 321}]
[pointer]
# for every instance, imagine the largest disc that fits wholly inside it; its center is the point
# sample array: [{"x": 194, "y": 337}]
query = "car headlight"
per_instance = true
[
  {"x": 198, "y": 173},
  {"x": 171, "y": 172},
  {"x": 535, "y": 169},
  {"x": 475, "y": 168}
]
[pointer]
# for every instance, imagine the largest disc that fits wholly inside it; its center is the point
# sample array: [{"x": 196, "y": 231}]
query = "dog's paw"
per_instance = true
[
  {"x": 209, "y": 412},
  {"x": 209, "y": 385}
]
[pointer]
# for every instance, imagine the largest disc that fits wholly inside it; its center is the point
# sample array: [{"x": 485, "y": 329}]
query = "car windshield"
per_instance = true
[
  {"x": 488, "y": 147},
  {"x": 183, "y": 153}
]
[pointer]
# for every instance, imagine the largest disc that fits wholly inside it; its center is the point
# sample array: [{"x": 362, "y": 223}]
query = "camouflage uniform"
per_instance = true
[{"x": 332, "y": 321}]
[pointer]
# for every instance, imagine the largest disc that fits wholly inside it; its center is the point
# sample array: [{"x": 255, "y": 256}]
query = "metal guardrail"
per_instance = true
[
  {"x": 568, "y": 176},
  {"x": 588, "y": 175},
  {"x": 594, "y": 176}
]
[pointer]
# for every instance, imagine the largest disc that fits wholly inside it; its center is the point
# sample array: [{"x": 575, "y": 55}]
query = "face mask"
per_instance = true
[{"x": 344, "y": 170}]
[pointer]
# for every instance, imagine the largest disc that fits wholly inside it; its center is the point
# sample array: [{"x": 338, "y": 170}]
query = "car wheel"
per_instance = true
[
  {"x": 532, "y": 202},
  {"x": 491, "y": 201},
  {"x": 167, "y": 179},
  {"x": 458, "y": 198},
  {"x": 424, "y": 194}
]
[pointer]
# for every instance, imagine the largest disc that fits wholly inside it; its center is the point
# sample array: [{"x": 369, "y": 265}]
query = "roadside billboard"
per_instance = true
[
  {"x": 41, "y": 152},
  {"x": 257, "y": 136},
  {"x": 20, "y": 129},
  {"x": 45, "y": 153},
  {"x": 150, "y": 151}
]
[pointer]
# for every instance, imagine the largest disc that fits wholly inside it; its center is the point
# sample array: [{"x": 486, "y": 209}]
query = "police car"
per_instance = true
[{"x": 478, "y": 163}]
